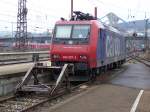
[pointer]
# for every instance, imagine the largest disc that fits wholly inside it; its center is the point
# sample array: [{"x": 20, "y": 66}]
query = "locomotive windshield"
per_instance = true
[
  {"x": 81, "y": 31},
  {"x": 75, "y": 33},
  {"x": 63, "y": 31}
]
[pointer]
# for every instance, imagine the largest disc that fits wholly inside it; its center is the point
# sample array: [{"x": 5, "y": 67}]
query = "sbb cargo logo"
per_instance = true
[{"x": 112, "y": 46}]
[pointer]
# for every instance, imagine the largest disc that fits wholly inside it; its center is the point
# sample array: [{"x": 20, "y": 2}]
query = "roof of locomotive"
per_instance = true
[
  {"x": 97, "y": 22},
  {"x": 74, "y": 22}
]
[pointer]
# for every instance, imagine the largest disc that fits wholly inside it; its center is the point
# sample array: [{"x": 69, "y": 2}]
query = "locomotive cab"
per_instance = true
[{"x": 70, "y": 44}]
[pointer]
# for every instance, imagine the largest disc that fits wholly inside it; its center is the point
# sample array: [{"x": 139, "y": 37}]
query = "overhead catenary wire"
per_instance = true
[
  {"x": 136, "y": 11},
  {"x": 100, "y": 1},
  {"x": 32, "y": 12}
]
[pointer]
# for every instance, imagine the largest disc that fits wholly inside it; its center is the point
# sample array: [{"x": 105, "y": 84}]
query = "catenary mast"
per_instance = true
[{"x": 21, "y": 34}]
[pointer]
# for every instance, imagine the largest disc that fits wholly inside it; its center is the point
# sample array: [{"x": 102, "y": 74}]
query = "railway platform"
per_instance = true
[
  {"x": 13, "y": 69},
  {"x": 128, "y": 92},
  {"x": 10, "y": 75},
  {"x": 8, "y": 70},
  {"x": 104, "y": 98}
]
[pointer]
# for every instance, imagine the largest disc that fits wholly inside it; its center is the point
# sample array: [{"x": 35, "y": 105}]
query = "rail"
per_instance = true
[
  {"x": 144, "y": 61},
  {"x": 22, "y": 57},
  {"x": 30, "y": 102}
]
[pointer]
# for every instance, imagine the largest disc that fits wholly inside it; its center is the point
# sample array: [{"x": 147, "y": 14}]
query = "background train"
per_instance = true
[
  {"x": 37, "y": 43},
  {"x": 88, "y": 44}
]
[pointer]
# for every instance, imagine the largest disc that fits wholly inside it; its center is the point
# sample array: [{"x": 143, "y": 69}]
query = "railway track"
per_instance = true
[
  {"x": 75, "y": 90},
  {"x": 31, "y": 101},
  {"x": 22, "y": 57},
  {"x": 143, "y": 60},
  {"x": 20, "y": 104}
]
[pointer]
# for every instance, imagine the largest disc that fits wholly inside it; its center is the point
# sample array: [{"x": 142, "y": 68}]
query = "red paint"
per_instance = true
[
  {"x": 93, "y": 44},
  {"x": 72, "y": 52}
]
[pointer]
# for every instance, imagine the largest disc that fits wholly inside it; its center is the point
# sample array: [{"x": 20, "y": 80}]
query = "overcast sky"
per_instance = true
[{"x": 42, "y": 14}]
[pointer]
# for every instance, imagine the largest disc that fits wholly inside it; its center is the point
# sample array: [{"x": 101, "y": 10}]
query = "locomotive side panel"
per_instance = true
[
  {"x": 114, "y": 47},
  {"x": 101, "y": 55},
  {"x": 111, "y": 48},
  {"x": 93, "y": 45}
]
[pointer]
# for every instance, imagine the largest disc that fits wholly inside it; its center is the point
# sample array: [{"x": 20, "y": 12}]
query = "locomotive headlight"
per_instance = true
[
  {"x": 55, "y": 56},
  {"x": 83, "y": 57}
]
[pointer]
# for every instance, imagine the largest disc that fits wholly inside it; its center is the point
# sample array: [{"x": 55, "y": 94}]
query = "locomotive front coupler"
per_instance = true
[{"x": 71, "y": 69}]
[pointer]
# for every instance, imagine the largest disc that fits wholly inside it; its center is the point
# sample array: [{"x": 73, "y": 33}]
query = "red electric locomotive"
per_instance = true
[{"x": 88, "y": 44}]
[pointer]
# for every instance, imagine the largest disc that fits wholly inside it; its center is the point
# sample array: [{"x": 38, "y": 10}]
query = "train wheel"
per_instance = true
[
  {"x": 104, "y": 68},
  {"x": 98, "y": 71},
  {"x": 92, "y": 75},
  {"x": 109, "y": 66},
  {"x": 119, "y": 64},
  {"x": 114, "y": 65}
]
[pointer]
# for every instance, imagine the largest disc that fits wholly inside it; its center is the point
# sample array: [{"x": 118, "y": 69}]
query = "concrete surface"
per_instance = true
[
  {"x": 144, "y": 104},
  {"x": 118, "y": 95},
  {"x": 17, "y": 68},
  {"x": 104, "y": 98},
  {"x": 11, "y": 75},
  {"x": 8, "y": 85},
  {"x": 137, "y": 76}
]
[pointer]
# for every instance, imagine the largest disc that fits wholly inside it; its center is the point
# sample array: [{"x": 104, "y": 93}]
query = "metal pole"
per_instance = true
[
  {"x": 21, "y": 34},
  {"x": 146, "y": 38},
  {"x": 12, "y": 28},
  {"x": 71, "y": 8},
  {"x": 95, "y": 11}
]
